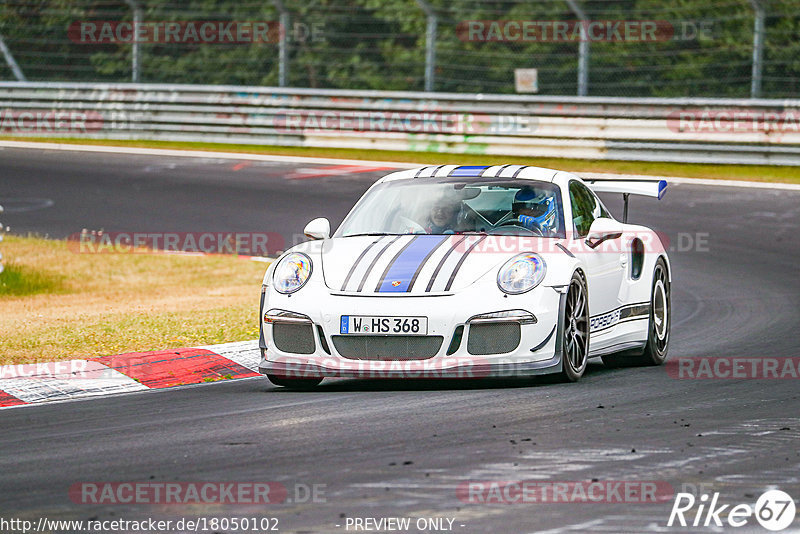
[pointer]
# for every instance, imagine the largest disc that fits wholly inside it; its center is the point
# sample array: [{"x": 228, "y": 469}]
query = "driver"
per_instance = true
[
  {"x": 535, "y": 210},
  {"x": 442, "y": 216}
]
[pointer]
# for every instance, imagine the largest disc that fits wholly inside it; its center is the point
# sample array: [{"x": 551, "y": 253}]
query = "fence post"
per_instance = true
[
  {"x": 12, "y": 63},
  {"x": 2, "y": 230},
  {"x": 283, "y": 44},
  {"x": 583, "y": 49},
  {"x": 431, "y": 30},
  {"x": 135, "y": 58},
  {"x": 758, "y": 48}
]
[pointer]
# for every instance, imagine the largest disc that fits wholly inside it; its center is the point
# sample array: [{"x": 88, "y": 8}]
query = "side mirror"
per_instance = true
[
  {"x": 603, "y": 229},
  {"x": 318, "y": 229}
]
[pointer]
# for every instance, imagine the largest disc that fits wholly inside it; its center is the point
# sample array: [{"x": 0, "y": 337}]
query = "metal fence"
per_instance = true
[
  {"x": 748, "y": 131},
  {"x": 637, "y": 48}
]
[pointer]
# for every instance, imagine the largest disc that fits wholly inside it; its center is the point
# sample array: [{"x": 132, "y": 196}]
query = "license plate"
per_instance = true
[{"x": 383, "y": 325}]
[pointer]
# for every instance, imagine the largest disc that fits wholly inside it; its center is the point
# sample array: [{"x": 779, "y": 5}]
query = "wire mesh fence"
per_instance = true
[{"x": 713, "y": 48}]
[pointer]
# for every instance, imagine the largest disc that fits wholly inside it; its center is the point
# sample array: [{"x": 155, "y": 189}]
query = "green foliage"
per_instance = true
[{"x": 380, "y": 44}]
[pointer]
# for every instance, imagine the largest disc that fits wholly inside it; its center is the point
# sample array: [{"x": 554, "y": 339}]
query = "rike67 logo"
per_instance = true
[{"x": 774, "y": 510}]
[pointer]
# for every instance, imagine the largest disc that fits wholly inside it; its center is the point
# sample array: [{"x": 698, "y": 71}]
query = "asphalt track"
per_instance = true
[{"x": 400, "y": 448}]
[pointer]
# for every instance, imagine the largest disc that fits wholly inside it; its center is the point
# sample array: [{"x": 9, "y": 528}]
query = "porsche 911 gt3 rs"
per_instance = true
[{"x": 469, "y": 271}]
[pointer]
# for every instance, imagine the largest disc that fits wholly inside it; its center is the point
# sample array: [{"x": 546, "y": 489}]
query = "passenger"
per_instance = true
[{"x": 442, "y": 216}]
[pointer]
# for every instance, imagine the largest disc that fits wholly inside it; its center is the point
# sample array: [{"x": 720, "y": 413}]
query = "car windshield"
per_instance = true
[{"x": 440, "y": 206}]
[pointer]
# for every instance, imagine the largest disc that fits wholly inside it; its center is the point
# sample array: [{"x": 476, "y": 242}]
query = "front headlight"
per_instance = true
[
  {"x": 521, "y": 273},
  {"x": 292, "y": 272}
]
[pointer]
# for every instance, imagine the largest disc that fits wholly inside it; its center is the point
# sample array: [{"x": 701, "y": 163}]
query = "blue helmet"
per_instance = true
[{"x": 535, "y": 210}]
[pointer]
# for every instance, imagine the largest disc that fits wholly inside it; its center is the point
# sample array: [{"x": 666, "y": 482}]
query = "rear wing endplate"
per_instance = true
[{"x": 643, "y": 187}]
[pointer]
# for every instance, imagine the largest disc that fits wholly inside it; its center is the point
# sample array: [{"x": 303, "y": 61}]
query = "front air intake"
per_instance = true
[
  {"x": 387, "y": 347},
  {"x": 293, "y": 338},
  {"x": 493, "y": 338}
]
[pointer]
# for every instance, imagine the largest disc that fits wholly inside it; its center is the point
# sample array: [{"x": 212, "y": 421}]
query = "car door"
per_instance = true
[{"x": 604, "y": 266}]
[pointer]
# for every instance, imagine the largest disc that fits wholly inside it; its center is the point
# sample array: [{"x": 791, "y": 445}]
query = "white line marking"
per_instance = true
[
  {"x": 360, "y": 163},
  {"x": 203, "y": 154}
]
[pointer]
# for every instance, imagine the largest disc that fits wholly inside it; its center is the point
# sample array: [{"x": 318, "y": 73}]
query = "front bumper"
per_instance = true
[{"x": 320, "y": 310}]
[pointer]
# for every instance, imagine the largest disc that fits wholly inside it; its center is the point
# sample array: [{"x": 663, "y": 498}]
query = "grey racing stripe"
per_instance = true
[
  {"x": 496, "y": 174},
  {"x": 358, "y": 260},
  {"x": 428, "y": 167},
  {"x": 374, "y": 261},
  {"x": 566, "y": 250},
  {"x": 461, "y": 262},
  {"x": 519, "y": 170},
  {"x": 441, "y": 262}
]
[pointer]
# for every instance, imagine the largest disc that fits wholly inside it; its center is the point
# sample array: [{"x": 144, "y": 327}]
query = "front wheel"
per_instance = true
[
  {"x": 575, "y": 331},
  {"x": 294, "y": 383}
]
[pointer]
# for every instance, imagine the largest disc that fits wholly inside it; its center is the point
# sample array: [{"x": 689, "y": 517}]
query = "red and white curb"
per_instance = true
[{"x": 124, "y": 373}]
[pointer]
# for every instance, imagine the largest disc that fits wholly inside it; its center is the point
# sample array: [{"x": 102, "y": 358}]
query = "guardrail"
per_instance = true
[{"x": 697, "y": 130}]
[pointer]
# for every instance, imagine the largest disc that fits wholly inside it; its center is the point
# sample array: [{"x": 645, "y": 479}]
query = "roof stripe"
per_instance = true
[{"x": 468, "y": 171}]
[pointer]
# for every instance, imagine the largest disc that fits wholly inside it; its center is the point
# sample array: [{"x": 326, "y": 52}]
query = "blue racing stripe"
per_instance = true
[
  {"x": 468, "y": 171},
  {"x": 399, "y": 274}
]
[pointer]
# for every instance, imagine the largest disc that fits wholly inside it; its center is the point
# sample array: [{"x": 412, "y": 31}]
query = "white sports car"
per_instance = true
[{"x": 469, "y": 271}]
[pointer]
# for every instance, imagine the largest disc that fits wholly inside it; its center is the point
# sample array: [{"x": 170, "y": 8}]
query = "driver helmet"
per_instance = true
[{"x": 535, "y": 209}]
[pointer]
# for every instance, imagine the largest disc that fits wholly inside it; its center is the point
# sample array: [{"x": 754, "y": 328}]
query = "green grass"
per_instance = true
[
  {"x": 20, "y": 280},
  {"x": 56, "y": 303},
  {"x": 756, "y": 173}
]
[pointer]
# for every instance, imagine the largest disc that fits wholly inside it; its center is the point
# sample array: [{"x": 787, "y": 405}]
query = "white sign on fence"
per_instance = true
[{"x": 526, "y": 80}]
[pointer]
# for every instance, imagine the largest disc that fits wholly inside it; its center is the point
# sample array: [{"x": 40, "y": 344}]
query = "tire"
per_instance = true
[
  {"x": 655, "y": 350},
  {"x": 294, "y": 383},
  {"x": 575, "y": 331}
]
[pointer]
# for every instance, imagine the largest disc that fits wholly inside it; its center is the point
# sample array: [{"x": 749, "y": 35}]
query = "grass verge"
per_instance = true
[
  {"x": 755, "y": 173},
  {"x": 59, "y": 304}
]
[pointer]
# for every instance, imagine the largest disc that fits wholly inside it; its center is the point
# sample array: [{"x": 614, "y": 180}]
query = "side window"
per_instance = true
[{"x": 585, "y": 207}]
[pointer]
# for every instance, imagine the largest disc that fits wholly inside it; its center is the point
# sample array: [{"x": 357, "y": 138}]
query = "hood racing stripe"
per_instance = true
[
  {"x": 441, "y": 262},
  {"x": 407, "y": 262},
  {"x": 424, "y": 261},
  {"x": 461, "y": 262},
  {"x": 374, "y": 261},
  {"x": 391, "y": 264},
  {"x": 358, "y": 260}
]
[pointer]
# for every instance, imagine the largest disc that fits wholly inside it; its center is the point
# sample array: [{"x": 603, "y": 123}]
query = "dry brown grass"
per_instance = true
[{"x": 98, "y": 304}]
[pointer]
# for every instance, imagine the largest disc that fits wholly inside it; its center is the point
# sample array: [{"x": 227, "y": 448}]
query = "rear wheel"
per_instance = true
[
  {"x": 655, "y": 350},
  {"x": 294, "y": 383},
  {"x": 575, "y": 335}
]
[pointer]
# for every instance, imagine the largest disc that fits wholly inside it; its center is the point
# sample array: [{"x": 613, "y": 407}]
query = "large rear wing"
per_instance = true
[{"x": 643, "y": 187}]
